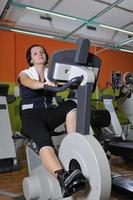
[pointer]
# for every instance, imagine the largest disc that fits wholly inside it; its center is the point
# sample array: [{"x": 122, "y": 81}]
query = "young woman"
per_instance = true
[{"x": 39, "y": 117}]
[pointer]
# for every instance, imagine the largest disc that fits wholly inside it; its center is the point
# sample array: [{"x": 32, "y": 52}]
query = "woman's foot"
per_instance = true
[{"x": 71, "y": 181}]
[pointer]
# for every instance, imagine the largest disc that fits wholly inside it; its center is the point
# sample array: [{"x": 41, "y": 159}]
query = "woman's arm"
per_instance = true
[
  {"x": 30, "y": 83},
  {"x": 33, "y": 84}
]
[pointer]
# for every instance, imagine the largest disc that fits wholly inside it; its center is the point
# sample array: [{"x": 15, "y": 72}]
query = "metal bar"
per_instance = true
[
  {"x": 125, "y": 42},
  {"x": 56, "y": 4},
  {"x": 3, "y": 14},
  {"x": 115, "y": 47},
  {"x": 119, "y": 7}
]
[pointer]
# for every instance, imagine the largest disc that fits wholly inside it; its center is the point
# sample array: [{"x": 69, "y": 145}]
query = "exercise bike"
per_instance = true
[{"x": 78, "y": 150}]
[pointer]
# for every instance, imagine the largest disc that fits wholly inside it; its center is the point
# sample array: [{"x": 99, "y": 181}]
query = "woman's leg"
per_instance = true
[
  {"x": 71, "y": 121},
  {"x": 65, "y": 112},
  {"x": 50, "y": 160},
  {"x": 39, "y": 133},
  {"x": 47, "y": 153}
]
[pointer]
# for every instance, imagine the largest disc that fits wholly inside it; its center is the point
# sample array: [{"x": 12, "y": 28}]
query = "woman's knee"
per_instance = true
[
  {"x": 41, "y": 144},
  {"x": 46, "y": 148}
]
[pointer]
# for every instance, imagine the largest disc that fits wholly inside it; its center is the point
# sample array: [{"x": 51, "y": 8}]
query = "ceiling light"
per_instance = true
[
  {"x": 32, "y": 33},
  {"x": 126, "y": 50},
  {"x": 50, "y": 12},
  {"x": 116, "y": 29}
]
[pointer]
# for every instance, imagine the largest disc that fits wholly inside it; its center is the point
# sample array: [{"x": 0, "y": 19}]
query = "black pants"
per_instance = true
[{"x": 38, "y": 123}]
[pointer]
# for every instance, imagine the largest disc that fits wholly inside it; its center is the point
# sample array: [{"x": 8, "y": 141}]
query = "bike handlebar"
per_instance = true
[{"x": 77, "y": 80}]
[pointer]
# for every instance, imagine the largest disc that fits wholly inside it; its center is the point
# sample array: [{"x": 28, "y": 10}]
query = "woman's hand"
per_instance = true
[{"x": 49, "y": 83}]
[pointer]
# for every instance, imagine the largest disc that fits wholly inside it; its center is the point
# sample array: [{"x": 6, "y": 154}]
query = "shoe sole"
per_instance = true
[
  {"x": 77, "y": 186},
  {"x": 72, "y": 176}
]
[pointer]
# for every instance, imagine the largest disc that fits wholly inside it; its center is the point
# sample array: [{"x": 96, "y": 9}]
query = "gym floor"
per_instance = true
[{"x": 11, "y": 182}]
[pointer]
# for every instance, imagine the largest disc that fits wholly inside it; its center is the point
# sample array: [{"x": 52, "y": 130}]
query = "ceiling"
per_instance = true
[{"x": 107, "y": 23}]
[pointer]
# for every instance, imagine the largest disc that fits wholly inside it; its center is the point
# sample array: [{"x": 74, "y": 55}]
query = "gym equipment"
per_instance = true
[
  {"x": 126, "y": 96},
  {"x": 119, "y": 144},
  {"x": 8, "y": 160},
  {"x": 116, "y": 80},
  {"x": 123, "y": 147},
  {"x": 115, "y": 126},
  {"x": 77, "y": 150}
]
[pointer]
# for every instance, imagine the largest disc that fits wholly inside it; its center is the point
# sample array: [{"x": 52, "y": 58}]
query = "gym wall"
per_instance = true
[{"x": 14, "y": 46}]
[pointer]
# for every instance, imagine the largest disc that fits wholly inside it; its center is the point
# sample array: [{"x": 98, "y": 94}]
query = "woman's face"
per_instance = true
[{"x": 38, "y": 55}]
